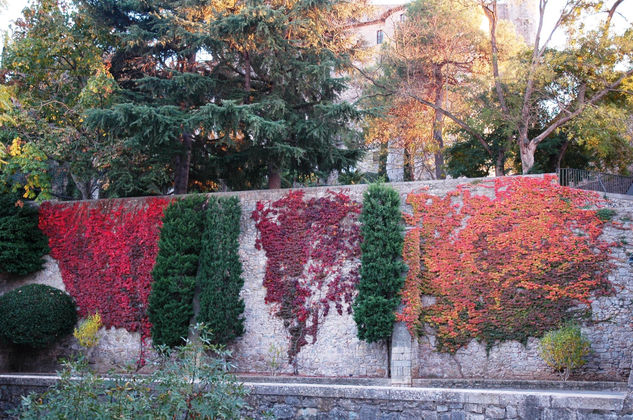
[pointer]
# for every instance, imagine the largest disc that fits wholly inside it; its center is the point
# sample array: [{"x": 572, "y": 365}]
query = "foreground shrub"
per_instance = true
[
  {"x": 22, "y": 244},
  {"x": 381, "y": 264},
  {"x": 192, "y": 381},
  {"x": 565, "y": 349},
  {"x": 219, "y": 276},
  {"x": 171, "y": 298},
  {"x": 36, "y": 315}
]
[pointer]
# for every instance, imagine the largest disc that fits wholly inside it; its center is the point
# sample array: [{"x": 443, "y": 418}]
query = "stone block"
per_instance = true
[
  {"x": 474, "y": 408},
  {"x": 494, "y": 412},
  {"x": 283, "y": 411}
]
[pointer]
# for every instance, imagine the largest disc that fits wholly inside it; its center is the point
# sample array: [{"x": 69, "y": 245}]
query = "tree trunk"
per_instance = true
[
  {"x": 527, "y": 149},
  {"x": 274, "y": 177},
  {"x": 247, "y": 77},
  {"x": 84, "y": 187},
  {"x": 382, "y": 160},
  {"x": 438, "y": 125},
  {"x": 561, "y": 155},
  {"x": 500, "y": 163},
  {"x": 408, "y": 164},
  {"x": 183, "y": 161}
]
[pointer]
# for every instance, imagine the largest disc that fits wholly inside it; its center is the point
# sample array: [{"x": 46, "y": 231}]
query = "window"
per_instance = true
[
  {"x": 403, "y": 17},
  {"x": 380, "y": 35}
]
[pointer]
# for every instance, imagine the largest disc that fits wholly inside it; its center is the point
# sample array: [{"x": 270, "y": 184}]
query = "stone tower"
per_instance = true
[{"x": 524, "y": 14}]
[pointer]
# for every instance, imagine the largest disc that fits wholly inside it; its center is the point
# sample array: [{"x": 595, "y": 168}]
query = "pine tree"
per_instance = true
[
  {"x": 381, "y": 264},
  {"x": 220, "y": 271},
  {"x": 251, "y": 87},
  {"x": 171, "y": 299}
]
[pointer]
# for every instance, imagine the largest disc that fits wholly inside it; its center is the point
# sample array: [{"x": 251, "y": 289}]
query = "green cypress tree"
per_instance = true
[
  {"x": 22, "y": 243},
  {"x": 220, "y": 271},
  {"x": 381, "y": 264},
  {"x": 171, "y": 299}
]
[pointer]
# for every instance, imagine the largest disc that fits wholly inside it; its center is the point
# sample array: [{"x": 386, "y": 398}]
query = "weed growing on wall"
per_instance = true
[
  {"x": 106, "y": 250},
  {"x": 310, "y": 247},
  {"x": 22, "y": 244},
  {"x": 219, "y": 275},
  {"x": 502, "y": 268},
  {"x": 171, "y": 298},
  {"x": 86, "y": 333},
  {"x": 381, "y": 264}
]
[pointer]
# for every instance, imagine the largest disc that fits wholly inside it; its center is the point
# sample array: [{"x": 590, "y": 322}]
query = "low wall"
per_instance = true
[
  {"x": 327, "y": 401},
  {"x": 338, "y": 352},
  {"x": 295, "y": 401}
]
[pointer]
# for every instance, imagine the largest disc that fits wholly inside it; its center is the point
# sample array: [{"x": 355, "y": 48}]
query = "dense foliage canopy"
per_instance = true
[
  {"x": 122, "y": 98},
  {"x": 22, "y": 244}
]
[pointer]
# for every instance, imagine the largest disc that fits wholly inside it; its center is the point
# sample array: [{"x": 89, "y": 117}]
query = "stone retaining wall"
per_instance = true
[
  {"x": 295, "y": 401},
  {"x": 338, "y": 352},
  {"x": 328, "y": 401}
]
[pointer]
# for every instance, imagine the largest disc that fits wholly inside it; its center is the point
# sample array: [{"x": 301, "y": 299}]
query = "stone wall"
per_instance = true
[
  {"x": 337, "y": 351},
  {"x": 371, "y": 402},
  {"x": 609, "y": 330},
  {"x": 303, "y": 401}
]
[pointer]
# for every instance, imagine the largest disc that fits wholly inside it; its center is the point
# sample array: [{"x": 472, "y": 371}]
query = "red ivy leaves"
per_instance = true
[
  {"x": 106, "y": 250},
  {"x": 309, "y": 245},
  {"x": 504, "y": 268}
]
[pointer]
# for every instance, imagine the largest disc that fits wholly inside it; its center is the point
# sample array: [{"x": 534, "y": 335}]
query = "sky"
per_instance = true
[{"x": 14, "y": 8}]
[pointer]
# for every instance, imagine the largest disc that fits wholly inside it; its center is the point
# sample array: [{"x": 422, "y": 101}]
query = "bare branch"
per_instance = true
[
  {"x": 611, "y": 13},
  {"x": 582, "y": 104},
  {"x": 455, "y": 119}
]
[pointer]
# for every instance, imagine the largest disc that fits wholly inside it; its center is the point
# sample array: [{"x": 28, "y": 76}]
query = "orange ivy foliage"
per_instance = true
[{"x": 502, "y": 268}]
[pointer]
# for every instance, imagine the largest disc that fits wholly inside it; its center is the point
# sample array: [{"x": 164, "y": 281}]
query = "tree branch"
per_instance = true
[
  {"x": 491, "y": 14},
  {"x": 558, "y": 122}
]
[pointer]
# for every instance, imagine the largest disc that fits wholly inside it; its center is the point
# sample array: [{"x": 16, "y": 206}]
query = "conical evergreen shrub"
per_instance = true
[
  {"x": 381, "y": 264},
  {"x": 220, "y": 271},
  {"x": 174, "y": 273}
]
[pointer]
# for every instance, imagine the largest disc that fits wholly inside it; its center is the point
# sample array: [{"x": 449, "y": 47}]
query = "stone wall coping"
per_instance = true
[
  {"x": 262, "y": 195},
  {"x": 524, "y": 384},
  {"x": 592, "y": 400}
]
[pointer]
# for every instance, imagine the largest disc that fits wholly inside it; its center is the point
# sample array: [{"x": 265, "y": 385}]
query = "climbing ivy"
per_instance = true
[
  {"x": 507, "y": 265},
  {"x": 310, "y": 246}
]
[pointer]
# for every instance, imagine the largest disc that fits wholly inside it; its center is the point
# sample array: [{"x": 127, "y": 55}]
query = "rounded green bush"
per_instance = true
[
  {"x": 565, "y": 349},
  {"x": 22, "y": 244},
  {"x": 36, "y": 315}
]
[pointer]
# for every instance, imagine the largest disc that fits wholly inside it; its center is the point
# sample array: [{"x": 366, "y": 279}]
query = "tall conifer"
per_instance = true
[
  {"x": 219, "y": 276},
  {"x": 171, "y": 298},
  {"x": 381, "y": 264}
]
